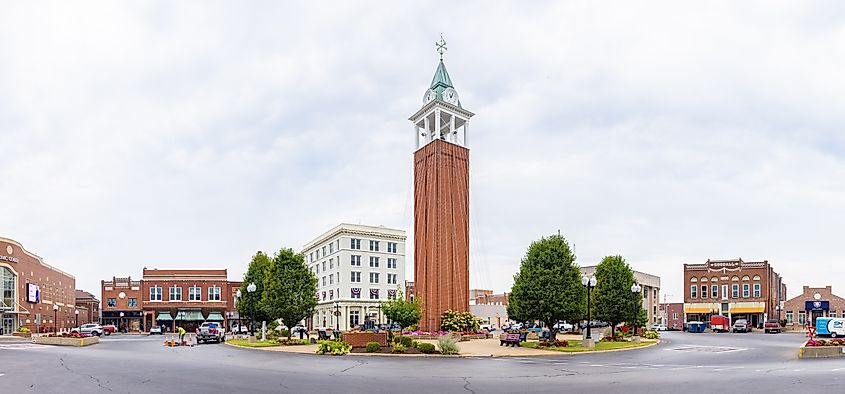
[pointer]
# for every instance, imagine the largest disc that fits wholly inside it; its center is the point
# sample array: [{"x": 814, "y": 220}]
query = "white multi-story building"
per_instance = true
[{"x": 357, "y": 267}]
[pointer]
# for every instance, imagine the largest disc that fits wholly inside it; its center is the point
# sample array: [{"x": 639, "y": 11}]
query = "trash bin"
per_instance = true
[{"x": 696, "y": 326}]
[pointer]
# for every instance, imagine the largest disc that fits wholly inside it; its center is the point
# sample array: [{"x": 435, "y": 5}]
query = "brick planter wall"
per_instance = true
[
  {"x": 360, "y": 339},
  {"x": 22, "y": 334},
  {"x": 821, "y": 351},
  {"x": 64, "y": 341}
]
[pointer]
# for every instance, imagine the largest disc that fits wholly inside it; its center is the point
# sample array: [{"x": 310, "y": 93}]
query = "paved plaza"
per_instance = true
[{"x": 691, "y": 363}]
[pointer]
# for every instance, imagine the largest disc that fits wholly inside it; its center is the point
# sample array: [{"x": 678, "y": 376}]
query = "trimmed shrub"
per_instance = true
[
  {"x": 651, "y": 335},
  {"x": 335, "y": 348},
  {"x": 23, "y": 329},
  {"x": 373, "y": 347},
  {"x": 459, "y": 321},
  {"x": 448, "y": 345},
  {"x": 404, "y": 340},
  {"x": 398, "y": 348},
  {"x": 426, "y": 348}
]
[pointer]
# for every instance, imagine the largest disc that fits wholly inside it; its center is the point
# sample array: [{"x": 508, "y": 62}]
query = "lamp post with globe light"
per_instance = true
[
  {"x": 237, "y": 298},
  {"x": 590, "y": 283},
  {"x": 635, "y": 289},
  {"x": 55, "y": 318},
  {"x": 251, "y": 290},
  {"x": 76, "y": 312}
]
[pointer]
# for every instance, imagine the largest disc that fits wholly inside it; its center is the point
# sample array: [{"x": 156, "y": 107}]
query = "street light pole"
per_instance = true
[
  {"x": 589, "y": 282},
  {"x": 337, "y": 315},
  {"x": 251, "y": 290},
  {"x": 635, "y": 289},
  {"x": 55, "y": 318},
  {"x": 76, "y": 312}
]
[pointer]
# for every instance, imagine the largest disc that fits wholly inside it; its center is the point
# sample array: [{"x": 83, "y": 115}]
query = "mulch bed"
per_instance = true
[{"x": 386, "y": 350}]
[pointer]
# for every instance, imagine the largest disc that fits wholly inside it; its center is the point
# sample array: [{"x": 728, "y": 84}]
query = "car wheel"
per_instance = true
[
  {"x": 833, "y": 335},
  {"x": 108, "y": 333}
]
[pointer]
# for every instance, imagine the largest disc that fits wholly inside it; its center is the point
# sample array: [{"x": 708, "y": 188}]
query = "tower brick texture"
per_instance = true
[{"x": 441, "y": 230}]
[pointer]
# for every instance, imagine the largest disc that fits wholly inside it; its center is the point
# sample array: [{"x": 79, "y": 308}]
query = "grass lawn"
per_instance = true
[
  {"x": 576, "y": 346},
  {"x": 246, "y": 343}
]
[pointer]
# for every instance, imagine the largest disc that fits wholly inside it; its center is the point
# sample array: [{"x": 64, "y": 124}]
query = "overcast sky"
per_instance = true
[{"x": 179, "y": 135}]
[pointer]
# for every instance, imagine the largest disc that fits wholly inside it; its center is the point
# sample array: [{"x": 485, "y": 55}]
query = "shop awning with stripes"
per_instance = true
[
  {"x": 701, "y": 307},
  {"x": 164, "y": 316},
  {"x": 189, "y": 316},
  {"x": 215, "y": 316},
  {"x": 747, "y": 307}
]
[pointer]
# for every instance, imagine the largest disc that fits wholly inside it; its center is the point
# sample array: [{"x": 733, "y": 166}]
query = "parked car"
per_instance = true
[
  {"x": 210, "y": 332},
  {"x": 658, "y": 327},
  {"x": 90, "y": 328},
  {"x": 109, "y": 329},
  {"x": 155, "y": 330},
  {"x": 719, "y": 323},
  {"x": 562, "y": 326},
  {"x": 741, "y": 325},
  {"x": 772, "y": 325}
]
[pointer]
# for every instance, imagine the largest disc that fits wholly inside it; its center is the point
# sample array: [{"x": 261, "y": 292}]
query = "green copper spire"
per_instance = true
[
  {"x": 441, "y": 82},
  {"x": 441, "y": 78}
]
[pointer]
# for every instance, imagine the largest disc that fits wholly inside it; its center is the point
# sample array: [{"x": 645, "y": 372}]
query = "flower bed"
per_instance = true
[
  {"x": 820, "y": 348},
  {"x": 67, "y": 340}
]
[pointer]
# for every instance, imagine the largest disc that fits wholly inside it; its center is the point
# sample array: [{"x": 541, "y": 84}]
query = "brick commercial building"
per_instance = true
[
  {"x": 122, "y": 303},
  {"x": 491, "y": 308},
  {"x": 734, "y": 288},
  {"x": 88, "y": 306},
  {"x": 650, "y": 290},
  {"x": 441, "y": 201},
  {"x": 672, "y": 315},
  {"x": 357, "y": 267},
  {"x": 812, "y": 303},
  {"x": 169, "y": 298},
  {"x": 33, "y": 294}
]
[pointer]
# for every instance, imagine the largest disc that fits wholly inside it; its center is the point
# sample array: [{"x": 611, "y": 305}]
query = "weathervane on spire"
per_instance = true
[{"x": 441, "y": 46}]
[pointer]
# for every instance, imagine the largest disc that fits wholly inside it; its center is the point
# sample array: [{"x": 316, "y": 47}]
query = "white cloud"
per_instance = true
[{"x": 183, "y": 135}]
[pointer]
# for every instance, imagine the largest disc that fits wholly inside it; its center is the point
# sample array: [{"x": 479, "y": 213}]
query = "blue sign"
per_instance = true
[{"x": 816, "y": 305}]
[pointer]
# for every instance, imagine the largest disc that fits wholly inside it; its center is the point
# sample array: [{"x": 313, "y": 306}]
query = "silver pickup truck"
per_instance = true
[{"x": 210, "y": 332}]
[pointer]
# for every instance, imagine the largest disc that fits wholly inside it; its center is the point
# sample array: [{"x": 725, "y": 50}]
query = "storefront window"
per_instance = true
[
  {"x": 735, "y": 291},
  {"x": 789, "y": 317},
  {"x": 745, "y": 290},
  {"x": 693, "y": 291}
]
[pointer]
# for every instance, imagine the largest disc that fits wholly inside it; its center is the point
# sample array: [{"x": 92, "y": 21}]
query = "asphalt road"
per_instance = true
[{"x": 682, "y": 363}]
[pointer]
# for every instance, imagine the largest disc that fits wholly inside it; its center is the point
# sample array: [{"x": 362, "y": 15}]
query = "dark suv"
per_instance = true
[{"x": 741, "y": 325}]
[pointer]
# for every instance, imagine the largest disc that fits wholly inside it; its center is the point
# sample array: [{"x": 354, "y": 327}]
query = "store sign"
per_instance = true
[
  {"x": 724, "y": 264},
  {"x": 33, "y": 293},
  {"x": 9, "y": 259},
  {"x": 816, "y": 305}
]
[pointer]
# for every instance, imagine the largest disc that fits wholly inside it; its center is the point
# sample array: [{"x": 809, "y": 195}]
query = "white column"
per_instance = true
[
  {"x": 437, "y": 122},
  {"x": 427, "y": 129},
  {"x": 417, "y": 137},
  {"x": 452, "y": 136},
  {"x": 466, "y": 127}
]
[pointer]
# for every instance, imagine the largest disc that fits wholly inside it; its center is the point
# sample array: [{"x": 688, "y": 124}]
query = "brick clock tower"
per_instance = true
[{"x": 441, "y": 200}]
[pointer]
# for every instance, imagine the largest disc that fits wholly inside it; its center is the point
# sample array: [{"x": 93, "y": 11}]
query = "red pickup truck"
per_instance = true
[
  {"x": 772, "y": 325},
  {"x": 109, "y": 329}
]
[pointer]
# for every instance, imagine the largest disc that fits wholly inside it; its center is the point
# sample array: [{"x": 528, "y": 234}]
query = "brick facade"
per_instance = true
[
  {"x": 672, "y": 315},
  {"x": 121, "y": 305},
  {"x": 88, "y": 306},
  {"x": 738, "y": 289},
  {"x": 18, "y": 268},
  {"x": 441, "y": 230},
  {"x": 796, "y": 315}
]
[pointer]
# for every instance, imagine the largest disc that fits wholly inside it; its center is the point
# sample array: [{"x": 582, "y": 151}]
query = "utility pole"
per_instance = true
[{"x": 665, "y": 310}]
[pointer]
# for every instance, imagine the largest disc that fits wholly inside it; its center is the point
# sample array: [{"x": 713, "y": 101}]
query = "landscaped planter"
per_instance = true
[
  {"x": 22, "y": 334},
  {"x": 67, "y": 341},
  {"x": 821, "y": 351}
]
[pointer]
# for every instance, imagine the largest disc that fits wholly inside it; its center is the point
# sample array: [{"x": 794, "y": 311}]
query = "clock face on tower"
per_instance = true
[
  {"x": 428, "y": 96},
  {"x": 450, "y": 96}
]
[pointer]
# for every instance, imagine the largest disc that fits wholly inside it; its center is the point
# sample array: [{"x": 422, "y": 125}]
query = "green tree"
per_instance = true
[
  {"x": 548, "y": 285},
  {"x": 405, "y": 313},
  {"x": 250, "y": 303},
  {"x": 289, "y": 288},
  {"x": 613, "y": 299}
]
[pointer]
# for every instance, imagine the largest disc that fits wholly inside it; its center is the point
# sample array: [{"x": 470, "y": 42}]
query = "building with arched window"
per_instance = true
[
  {"x": 737, "y": 289},
  {"x": 33, "y": 294}
]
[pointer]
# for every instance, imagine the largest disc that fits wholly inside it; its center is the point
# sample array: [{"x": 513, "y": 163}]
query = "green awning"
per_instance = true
[
  {"x": 162, "y": 316},
  {"x": 215, "y": 316},
  {"x": 189, "y": 316}
]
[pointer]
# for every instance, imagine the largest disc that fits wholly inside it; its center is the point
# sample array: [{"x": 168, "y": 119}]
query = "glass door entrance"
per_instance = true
[{"x": 7, "y": 323}]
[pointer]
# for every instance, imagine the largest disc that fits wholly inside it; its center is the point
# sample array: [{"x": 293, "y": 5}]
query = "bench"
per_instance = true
[
  {"x": 510, "y": 340},
  {"x": 545, "y": 335},
  {"x": 323, "y": 336}
]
